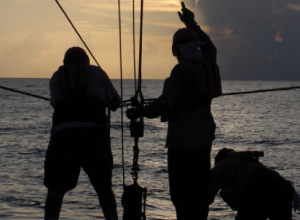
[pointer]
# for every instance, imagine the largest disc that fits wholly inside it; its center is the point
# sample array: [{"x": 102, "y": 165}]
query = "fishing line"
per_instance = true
[{"x": 77, "y": 32}]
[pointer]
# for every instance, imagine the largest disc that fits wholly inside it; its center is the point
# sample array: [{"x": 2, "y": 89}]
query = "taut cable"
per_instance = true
[
  {"x": 77, "y": 32},
  {"x": 133, "y": 34},
  {"x": 139, "y": 90},
  {"x": 121, "y": 85}
]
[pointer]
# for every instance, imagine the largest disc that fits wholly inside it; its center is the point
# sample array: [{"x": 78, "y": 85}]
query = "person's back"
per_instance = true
[
  {"x": 80, "y": 94},
  {"x": 252, "y": 189}
]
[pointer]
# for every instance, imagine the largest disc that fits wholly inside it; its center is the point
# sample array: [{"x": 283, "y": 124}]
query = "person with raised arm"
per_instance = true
[{"x": 186, "y": 104}]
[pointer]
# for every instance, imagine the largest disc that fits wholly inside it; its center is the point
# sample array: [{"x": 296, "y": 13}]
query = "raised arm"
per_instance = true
[{"x": 208, "y": 49}]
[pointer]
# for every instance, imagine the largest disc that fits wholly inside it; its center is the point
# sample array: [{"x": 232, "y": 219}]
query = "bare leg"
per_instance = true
[
  {"x": 53, "y": 204},
  {"x": 107, "y": 202}
]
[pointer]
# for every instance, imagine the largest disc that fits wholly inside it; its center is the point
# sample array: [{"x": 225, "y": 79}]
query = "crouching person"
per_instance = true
[{"x": 250, "y": 188}]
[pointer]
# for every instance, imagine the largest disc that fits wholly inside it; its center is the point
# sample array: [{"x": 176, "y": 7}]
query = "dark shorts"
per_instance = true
[{"x": 70, "y": 150}]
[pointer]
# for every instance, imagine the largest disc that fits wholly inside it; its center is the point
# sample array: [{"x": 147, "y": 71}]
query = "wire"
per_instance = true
[
  {"x": 121, "y": 85},
  {"x": 77, "y": 32},
  {"x": 133, "y": 33},
  {"x": 139, "y": 90}
]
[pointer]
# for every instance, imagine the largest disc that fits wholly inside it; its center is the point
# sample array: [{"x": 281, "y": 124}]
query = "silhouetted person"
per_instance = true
[
  {"x": 191, "y": 127},
  {"x": 80, "y": 136},
  {"x": 256, "y": 192}
]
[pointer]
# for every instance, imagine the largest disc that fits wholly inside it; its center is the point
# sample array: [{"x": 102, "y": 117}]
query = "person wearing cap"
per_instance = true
[
  {"x": 250, "y": 188},
  {"x": 80, "y": 138},
  {"x": 191, "y": 127}
]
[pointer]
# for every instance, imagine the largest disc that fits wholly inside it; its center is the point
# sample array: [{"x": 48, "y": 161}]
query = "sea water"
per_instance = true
[{"x": 268, "y": 122}]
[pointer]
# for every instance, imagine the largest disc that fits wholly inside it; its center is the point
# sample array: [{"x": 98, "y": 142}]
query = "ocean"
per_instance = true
[{"x": 268, "y": 122}]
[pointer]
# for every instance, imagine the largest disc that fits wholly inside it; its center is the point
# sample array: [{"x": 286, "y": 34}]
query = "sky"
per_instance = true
[{"x": 256, "y": 40}]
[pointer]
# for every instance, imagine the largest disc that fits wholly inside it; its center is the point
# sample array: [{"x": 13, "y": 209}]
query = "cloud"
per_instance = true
[
  {"x": 295, "y": 7},
  {"x": 277, "y": 37},
  {"x": 151, "y": 51},
  {"x": 17, "y": 60},
  {"x": 255, "y": 39}
]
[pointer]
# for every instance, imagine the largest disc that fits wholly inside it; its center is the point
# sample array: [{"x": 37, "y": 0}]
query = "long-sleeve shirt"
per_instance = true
[
  {"x": 232, "y": 174},
  {"x": 190, "y": 122},
  {"x": 89, "y": 111},
  {"x": 100, "y": 87}
]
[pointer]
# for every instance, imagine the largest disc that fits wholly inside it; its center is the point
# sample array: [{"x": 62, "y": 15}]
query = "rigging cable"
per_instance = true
[
  {"x": 77, "y": 32},
  {"x": 121, "y": 87},
  {"x": 139, "y": 90},
  {"x": 133, "y": 34}
]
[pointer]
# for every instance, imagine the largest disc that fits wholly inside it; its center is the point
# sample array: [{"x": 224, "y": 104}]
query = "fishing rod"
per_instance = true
[
  {"x": 128, "y": 102},
  {"x": 25, "y": 93},
  {"x": 146, "y": 101},
  {"x": 261, "y": 90}
]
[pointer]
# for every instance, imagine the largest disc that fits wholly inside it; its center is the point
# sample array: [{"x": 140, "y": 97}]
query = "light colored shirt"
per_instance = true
[{"x": 99, "y": 87}]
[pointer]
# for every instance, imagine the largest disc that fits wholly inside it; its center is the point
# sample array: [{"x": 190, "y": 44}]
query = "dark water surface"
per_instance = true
[{"x": 268, "y": 122}]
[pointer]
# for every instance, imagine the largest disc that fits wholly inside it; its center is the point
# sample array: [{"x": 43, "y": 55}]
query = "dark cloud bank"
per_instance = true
[{"x": 261, "y": 41}]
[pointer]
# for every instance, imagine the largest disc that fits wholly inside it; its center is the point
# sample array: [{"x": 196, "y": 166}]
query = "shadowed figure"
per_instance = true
[
  {"x": 250, "y": 188},
  {"x": 186, "y": 104},
  {"x": 80, "y": 135}
]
